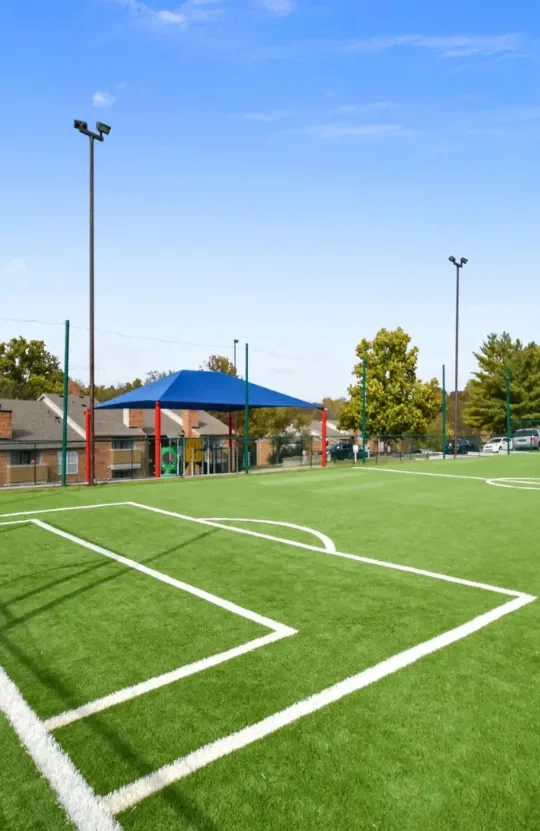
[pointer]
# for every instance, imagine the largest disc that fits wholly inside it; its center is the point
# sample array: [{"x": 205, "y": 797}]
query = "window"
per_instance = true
[
  {"x": 123, "y": 444},
  {"x": 122, "y": 474},
  {"x": 22, "y": 458},
  {"x": 72, "y": 463}
]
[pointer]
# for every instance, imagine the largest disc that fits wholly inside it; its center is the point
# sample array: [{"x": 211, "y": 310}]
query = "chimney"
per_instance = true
[
  {"x": 6, "y": 424},
  {"x": 190, "y": 422},
  {"x": 134, "y": 418}
]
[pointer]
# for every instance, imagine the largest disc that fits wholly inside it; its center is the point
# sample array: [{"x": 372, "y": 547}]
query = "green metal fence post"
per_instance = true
[
  {"x": 508, "y": 415},
  {"x": 246, "y": 415},
  {"x": 364, "y": 413},
  {"x": 65, "y": 407},
  {"x": 444, "y": 411}
]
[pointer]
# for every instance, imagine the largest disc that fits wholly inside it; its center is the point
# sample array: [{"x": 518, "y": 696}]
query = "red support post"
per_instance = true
[
  {"x": 324, "y": 434},
  {"x": 157, "y": 440},
  {"x": 230, "y": 440},
  {"x": 88, "y": 446}
]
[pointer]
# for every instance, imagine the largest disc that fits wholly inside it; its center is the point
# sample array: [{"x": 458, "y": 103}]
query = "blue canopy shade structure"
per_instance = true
[{"x": 201, "y": 390}]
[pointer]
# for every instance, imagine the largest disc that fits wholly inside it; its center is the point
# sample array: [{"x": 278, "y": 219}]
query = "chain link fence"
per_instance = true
[{"x": 40, "y": 463}]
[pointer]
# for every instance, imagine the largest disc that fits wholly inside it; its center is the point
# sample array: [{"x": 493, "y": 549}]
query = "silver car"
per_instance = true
[{"x": 527, "y": 439}]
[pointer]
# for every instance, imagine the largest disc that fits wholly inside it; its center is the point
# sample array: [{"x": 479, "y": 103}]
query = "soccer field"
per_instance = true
[{"x": 347, "y": 649}]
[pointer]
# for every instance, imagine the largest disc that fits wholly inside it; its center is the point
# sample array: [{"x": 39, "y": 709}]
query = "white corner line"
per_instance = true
[
  {"x": 326, "y": 541},
  {"x": 71, "y": 508},
  {"x": 127, "y": 694},
  {"x": 75, "y": 795},
  {"x": 267, "y": 622},
  {"x": 133, "y": 793},
  {"x": 357, "y": 558}
]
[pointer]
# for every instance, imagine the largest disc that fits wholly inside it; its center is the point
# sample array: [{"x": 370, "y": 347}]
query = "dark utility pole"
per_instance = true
[
  {"x": 459, "y": 265},
  {"x": 102, "y": 131}
]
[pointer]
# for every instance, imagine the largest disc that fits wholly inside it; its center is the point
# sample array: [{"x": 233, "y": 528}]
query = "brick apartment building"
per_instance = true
[{"x": 31, "y": 440}]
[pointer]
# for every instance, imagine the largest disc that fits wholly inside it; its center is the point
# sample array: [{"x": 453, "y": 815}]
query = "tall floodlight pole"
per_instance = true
[
  {"x": 508, "y": 413},
  {"x": 459, "y": 265},
  {"x": 102, "y": 131},
  {"x": 364, "y": 411},
  {"x": 235, "y": 344}
]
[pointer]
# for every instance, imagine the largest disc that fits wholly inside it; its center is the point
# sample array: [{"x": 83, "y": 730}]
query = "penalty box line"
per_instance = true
[
  {"x": 292, "y": 543},
  {"x": 130, "y": 795},
  {"x": 136, "y": 791},
  {"x": 278, "y": 631}
]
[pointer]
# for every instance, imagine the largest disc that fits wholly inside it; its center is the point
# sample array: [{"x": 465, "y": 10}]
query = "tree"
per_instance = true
[
  {"x": 486, "y": 405},
  {"x": 27, "y": 369},
  {"x": 276, "y": 421},
  {"x": 334, "y": 407},
  {"x": 105, "y": 393},
  {"x": 219, "y": 363},
  {"x": 156, "y": 375},
  {"x": 397, "y": 402}
]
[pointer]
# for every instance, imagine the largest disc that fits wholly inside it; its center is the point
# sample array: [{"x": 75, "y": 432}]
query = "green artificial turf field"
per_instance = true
[{"x": 232, "y": 675}]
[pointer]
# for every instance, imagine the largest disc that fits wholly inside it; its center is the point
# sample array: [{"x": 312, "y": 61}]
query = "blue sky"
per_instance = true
[{"x": 292, "y": 173}]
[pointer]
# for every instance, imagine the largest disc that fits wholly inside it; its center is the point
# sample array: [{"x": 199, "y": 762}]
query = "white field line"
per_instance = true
[
  {"x": 517, "y": 483},
  {"x": 136, "y": 791},
  {"x": 72, "y": 508},
  {"x": 278, "y": 632},
  {"x": 294, "y": 544},
  {"x": 159, "y": 681},
  {"x": 326, "y": 541},
  {"x": 133, "y": 793},
  {"x": 75, "y": 795},
  {"x": 421, "y": 473},
  {"x": 274, "y": 625},
  {"x": 357, "y": 558},
  {"x": 17, "y": 522}
]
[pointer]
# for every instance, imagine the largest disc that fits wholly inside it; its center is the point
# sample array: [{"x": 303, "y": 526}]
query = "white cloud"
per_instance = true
[
  {"x": 188, "y": 12},
  {"x": 166, "y": 16},
  {"x": 15, "y": 267},
  {"x": 446, "y": 46},
  {"x": 449, "y": 46},
  {"x": 103, "y": 100},
  {"x": 360, "y": 130},
  {"x": 278, "y": 6},
  {"x": 266, "y": 117},
  {"x": 339, "y": 130},
  {"x": 351, "y": 109}
]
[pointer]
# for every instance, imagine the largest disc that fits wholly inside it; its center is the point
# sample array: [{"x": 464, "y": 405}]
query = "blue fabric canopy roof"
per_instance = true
[{"x": 201, "y": 390}]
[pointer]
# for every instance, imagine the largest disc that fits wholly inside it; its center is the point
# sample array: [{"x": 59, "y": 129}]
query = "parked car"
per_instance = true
[
  {"x": 527, "y": 439},
  {"x": 498, "y": 444},
  {"x": 464, "y": 447},
  {"x": 344, "y": 452}
]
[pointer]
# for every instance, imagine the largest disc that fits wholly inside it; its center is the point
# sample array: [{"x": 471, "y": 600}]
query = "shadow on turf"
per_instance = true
[
  {"x": 120, "y": 571},
  {"x": 183, "y": 807}
]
